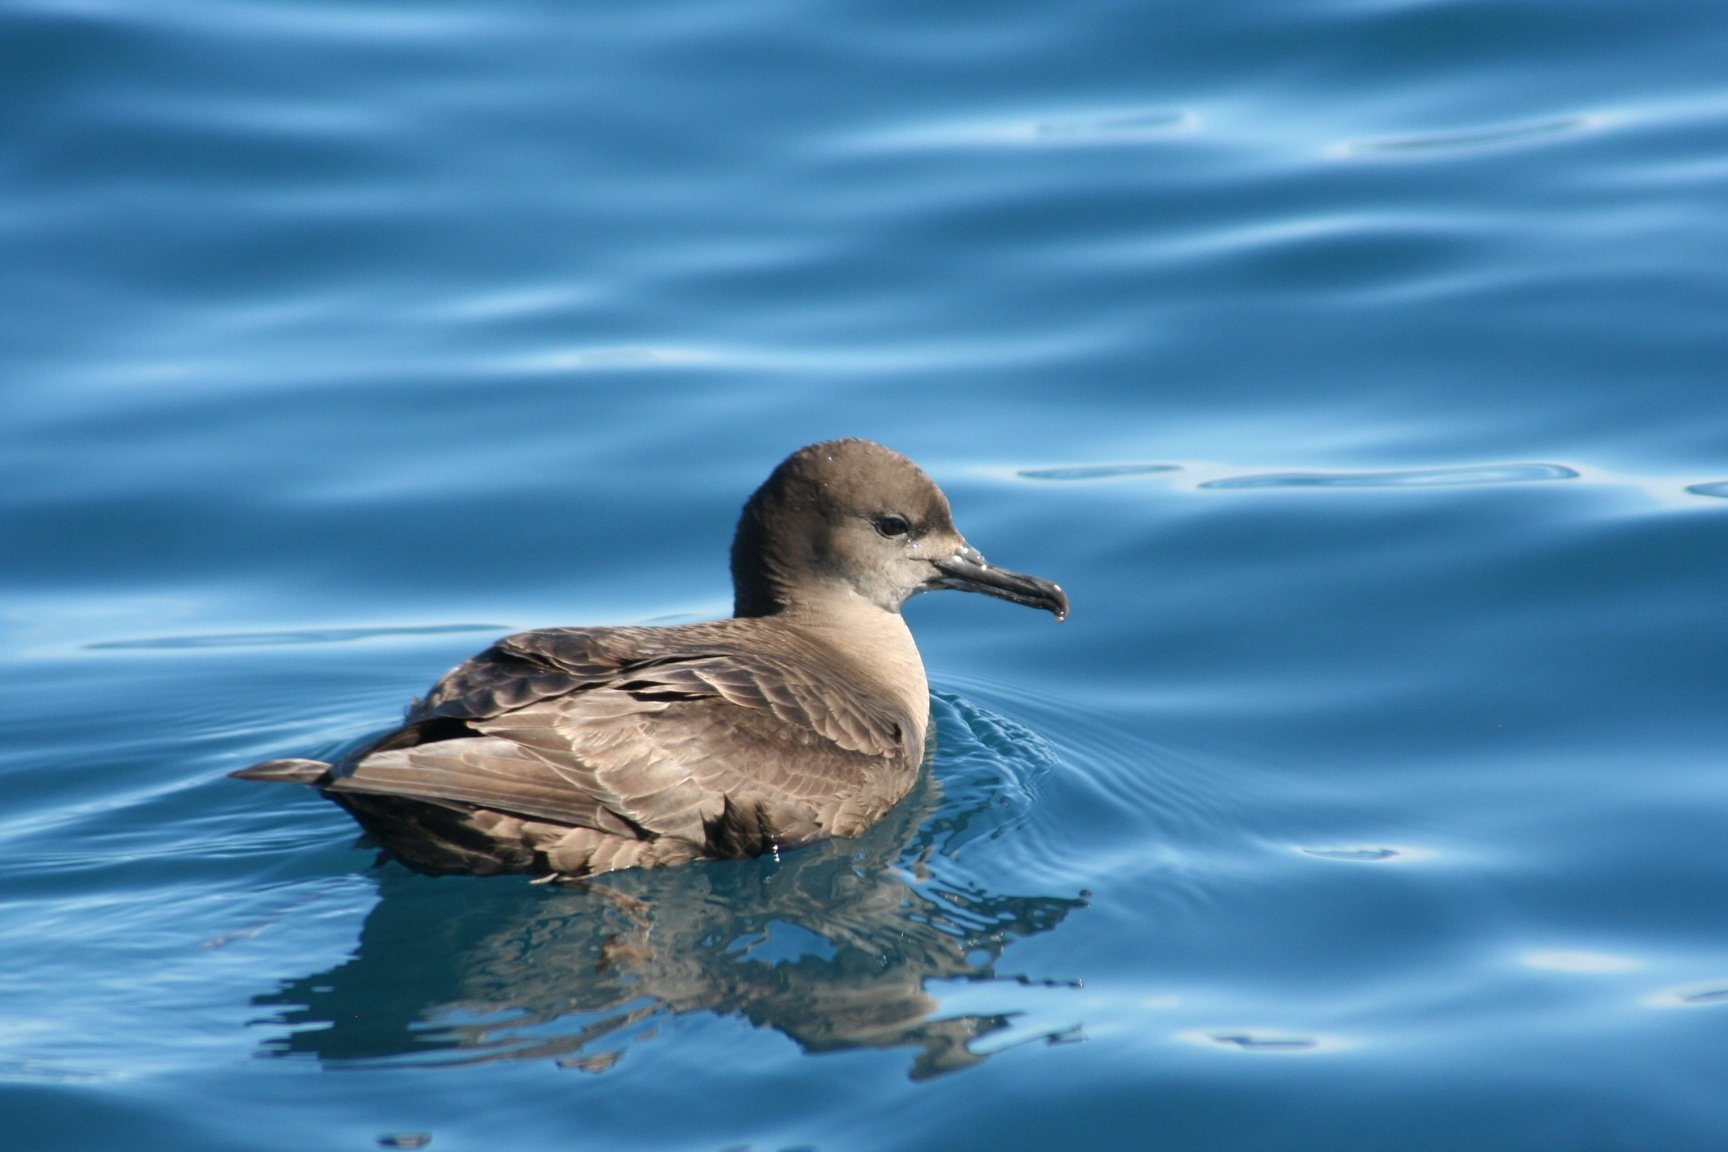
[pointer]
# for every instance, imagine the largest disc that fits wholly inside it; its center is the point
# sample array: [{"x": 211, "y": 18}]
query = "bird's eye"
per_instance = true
[{"x": 892, "y": 526}]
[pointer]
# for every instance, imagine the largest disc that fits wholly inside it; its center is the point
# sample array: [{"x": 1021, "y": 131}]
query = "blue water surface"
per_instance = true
[{"x": 1358, "y": 366}]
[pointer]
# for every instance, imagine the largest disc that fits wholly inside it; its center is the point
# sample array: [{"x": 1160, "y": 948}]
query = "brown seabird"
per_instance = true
[{"x": 568, "y": 751}]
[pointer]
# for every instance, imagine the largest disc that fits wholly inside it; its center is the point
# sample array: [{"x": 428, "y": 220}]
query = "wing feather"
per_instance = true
[{"x": 686, "y": 734}]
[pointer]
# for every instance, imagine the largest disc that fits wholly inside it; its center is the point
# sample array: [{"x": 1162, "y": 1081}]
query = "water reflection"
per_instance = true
[{"x": 833, "y": 946}]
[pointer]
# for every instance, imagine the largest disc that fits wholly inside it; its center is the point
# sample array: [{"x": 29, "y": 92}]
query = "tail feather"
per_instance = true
[{"x": 292, "y": 771}]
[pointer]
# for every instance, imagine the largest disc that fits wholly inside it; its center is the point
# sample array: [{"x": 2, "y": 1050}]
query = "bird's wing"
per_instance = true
[
  {"x": 790, "y": 679},
  {"x": 632, "y": 733},
  {"x": 530, "y": 666}
]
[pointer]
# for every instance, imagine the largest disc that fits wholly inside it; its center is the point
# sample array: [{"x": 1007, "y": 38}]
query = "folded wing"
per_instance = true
[{"x": 681, "y": 735}]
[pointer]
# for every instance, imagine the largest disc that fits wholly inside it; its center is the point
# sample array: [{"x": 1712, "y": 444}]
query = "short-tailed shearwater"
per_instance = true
[{"x": 568, "y": 751}]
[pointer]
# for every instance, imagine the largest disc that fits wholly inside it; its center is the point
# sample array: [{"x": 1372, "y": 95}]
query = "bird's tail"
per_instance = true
[{"x": 311, "y": 772}]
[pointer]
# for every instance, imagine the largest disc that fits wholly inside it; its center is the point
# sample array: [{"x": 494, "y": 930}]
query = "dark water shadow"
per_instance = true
[{"x": 832, "y": 945}]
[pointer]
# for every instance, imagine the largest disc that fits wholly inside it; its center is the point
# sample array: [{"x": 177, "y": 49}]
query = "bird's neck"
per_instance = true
[{"x": 875, "y": 644}]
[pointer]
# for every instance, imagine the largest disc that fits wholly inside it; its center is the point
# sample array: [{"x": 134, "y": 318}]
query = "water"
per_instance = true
[{"x": 1356, "y": 366}]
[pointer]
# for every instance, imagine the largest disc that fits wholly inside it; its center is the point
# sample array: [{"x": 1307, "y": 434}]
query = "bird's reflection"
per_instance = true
[{"x": 832, "y": 945}]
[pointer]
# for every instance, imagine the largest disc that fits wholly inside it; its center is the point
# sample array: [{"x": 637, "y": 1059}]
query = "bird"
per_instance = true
[{"x": 561, "y": 753}]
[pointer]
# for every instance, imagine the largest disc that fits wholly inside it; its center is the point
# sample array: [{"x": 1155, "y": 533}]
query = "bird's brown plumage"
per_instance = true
[{"x": 568, "y": 751}]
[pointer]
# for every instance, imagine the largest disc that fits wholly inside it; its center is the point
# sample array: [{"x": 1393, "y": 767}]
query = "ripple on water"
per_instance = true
[
  {"x": 1707, "y": 994},
  {"x": 1100, "y": 130},
  {"x": 1471, "y": 139},
  {"x": 990, "y": 767},
  {"x": 289, "y": 638},
  {"x": 1095, "y": 471},
  {"x": 1262, "y": 1040},
  {"x": 1128, "y": 125},
  {"x": 1403, "y": 478},
  {"x": 1582, "y": 963},
  {"x": 1366, "y": 855},
  {"x": 1147, "y": 806}
]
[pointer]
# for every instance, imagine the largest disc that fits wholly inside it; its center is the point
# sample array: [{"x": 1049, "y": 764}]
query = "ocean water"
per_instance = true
[{"x": 1360, "y": 367}]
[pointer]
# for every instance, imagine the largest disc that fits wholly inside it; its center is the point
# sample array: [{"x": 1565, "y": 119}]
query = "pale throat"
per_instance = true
[{"x": 878, "y": 646}]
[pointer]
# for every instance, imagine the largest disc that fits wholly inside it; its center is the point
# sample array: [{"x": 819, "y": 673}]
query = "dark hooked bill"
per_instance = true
[{"x": 968, "y": 571}]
